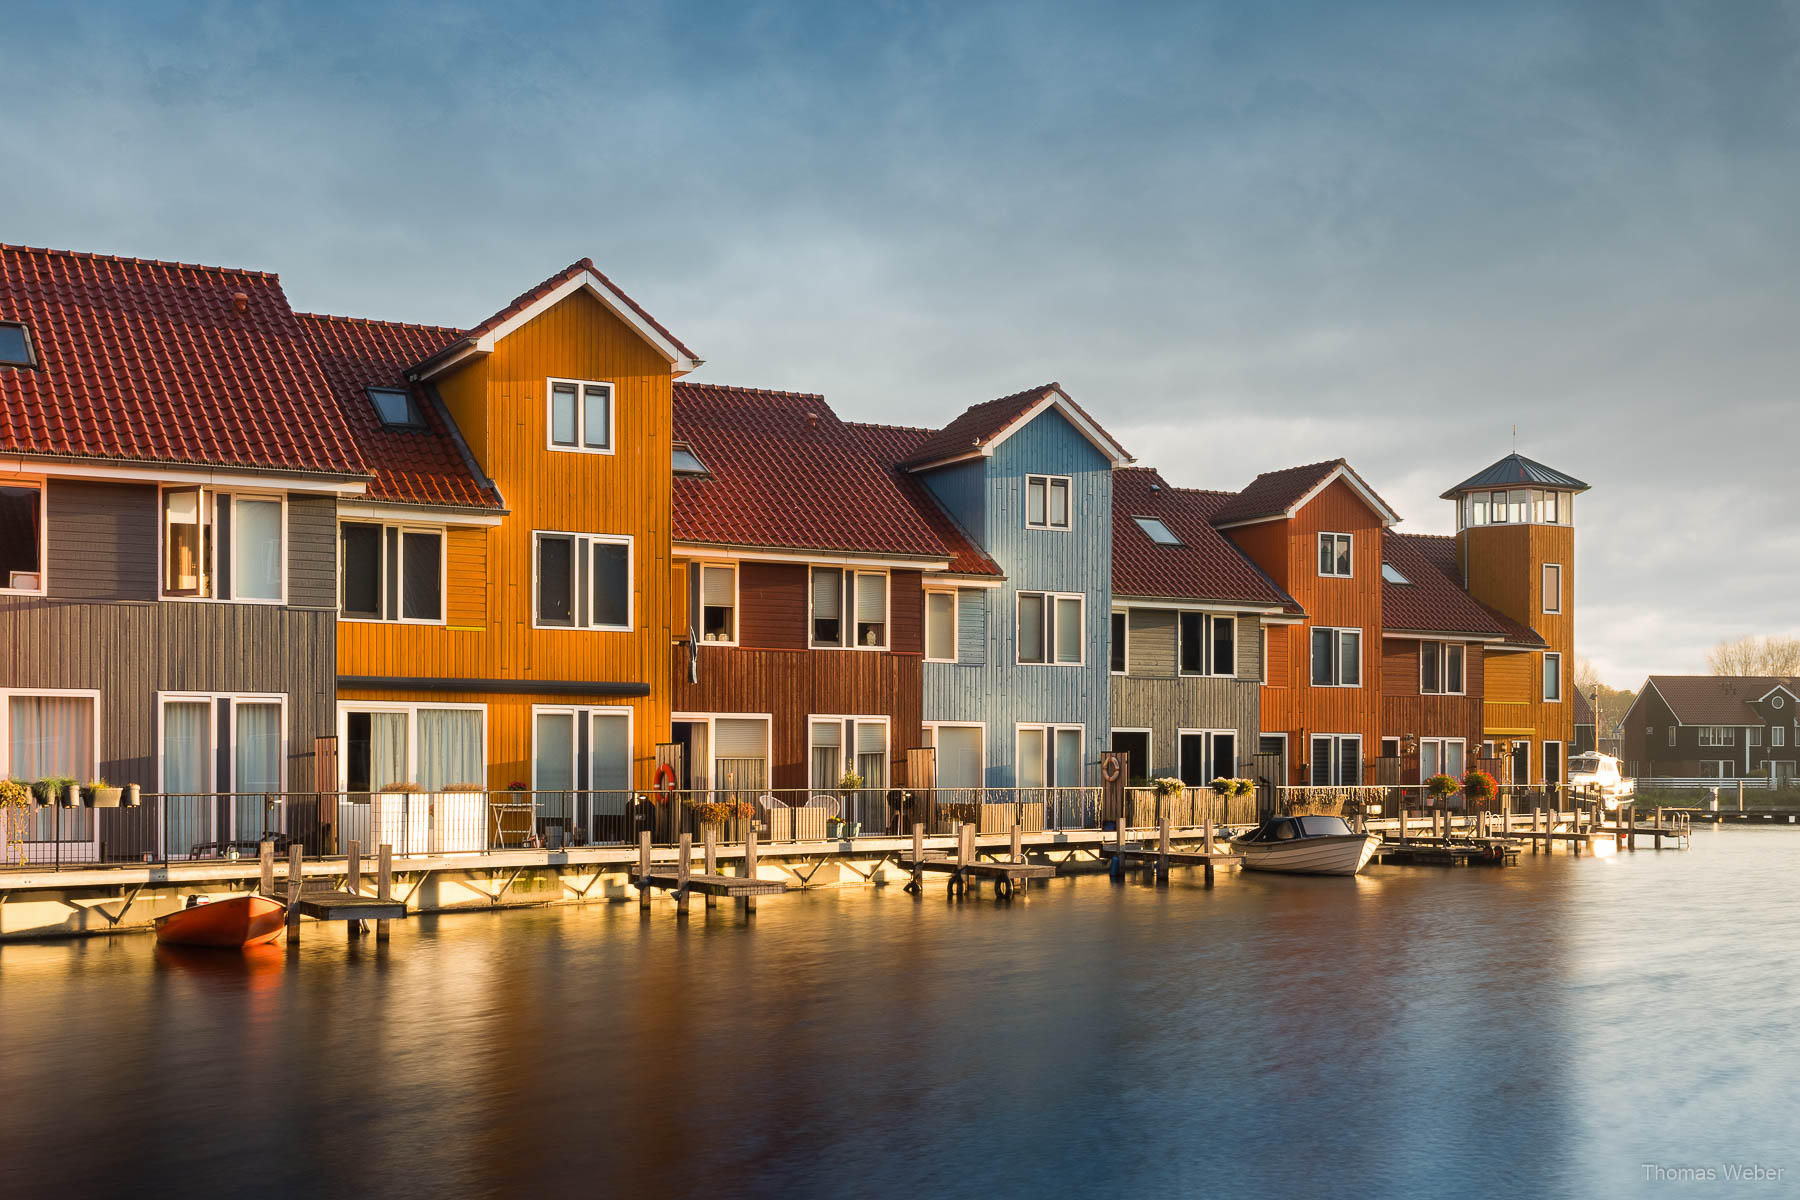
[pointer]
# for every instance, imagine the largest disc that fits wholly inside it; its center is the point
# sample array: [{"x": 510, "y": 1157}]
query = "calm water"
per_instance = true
[{"x": 1545, "y": 1030}]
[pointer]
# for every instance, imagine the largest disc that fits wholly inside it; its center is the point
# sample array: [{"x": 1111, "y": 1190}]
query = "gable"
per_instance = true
[{"x": 1049, "y": 443}]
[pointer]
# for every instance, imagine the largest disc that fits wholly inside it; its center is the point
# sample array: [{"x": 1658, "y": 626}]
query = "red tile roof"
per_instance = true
[
  {"x": 1204, "y": 567},
  {"x": 983, "y": 423},
  {"x": 1719, "y": 699},
  {"x": 1433, "y": 600},
  {"x": 786, "y": 473},
  {"x": 893, "y": 445},
  {"x": 527, "y": 298},
  {"x": 153, "y": 362},
  {"x": 415, "y": 466},
  {"x": 1272, "y": 493}
]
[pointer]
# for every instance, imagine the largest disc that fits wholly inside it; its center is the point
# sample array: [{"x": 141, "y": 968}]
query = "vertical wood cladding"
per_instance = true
[
  {"x": 1405, "y": 710},
  {"x": 1155, "y": 696},
  {"x": 465, "y": 548},
  {"x": 773, "y": 605},
  {"x": 312, "y": 551},
  {"x": 102, "y": 540},
  {"x": 1288, "y": 550},
  {"x": 1505, "y": 571},
  {"x": 500, "y": 405}
]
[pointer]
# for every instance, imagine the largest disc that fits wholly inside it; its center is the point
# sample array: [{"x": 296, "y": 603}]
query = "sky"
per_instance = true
[{"x": 1242, "y": 236}]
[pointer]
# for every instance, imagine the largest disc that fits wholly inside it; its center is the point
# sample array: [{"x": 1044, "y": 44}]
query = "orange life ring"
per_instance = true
[
  {"x": 665, "y": 778},
  {"x": 1110, "y": 768}
]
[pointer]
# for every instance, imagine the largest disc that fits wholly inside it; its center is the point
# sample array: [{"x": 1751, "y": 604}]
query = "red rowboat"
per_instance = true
[{"x": 229, "y": 924}]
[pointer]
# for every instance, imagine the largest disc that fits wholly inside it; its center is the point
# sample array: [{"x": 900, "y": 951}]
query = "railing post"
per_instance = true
[
  {"x": 1018, "y": 843},
  {"x": 353, "y": 885}
]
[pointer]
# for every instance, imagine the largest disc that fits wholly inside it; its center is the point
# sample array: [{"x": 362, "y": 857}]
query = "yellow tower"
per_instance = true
[{"x": 1515, "y": 542}]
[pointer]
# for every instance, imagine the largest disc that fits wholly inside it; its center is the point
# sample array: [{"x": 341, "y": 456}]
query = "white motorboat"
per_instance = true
[
  {"x": 1311, "y": 845},
  {"x": 1598, "y": 775}
]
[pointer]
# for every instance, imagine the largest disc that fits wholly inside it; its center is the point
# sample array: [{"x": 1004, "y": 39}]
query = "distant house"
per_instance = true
[
  {"x": 1714, "y": 727},
  {"x": 1189, "y": 615},
  {"x": 1585, "y": 738}
]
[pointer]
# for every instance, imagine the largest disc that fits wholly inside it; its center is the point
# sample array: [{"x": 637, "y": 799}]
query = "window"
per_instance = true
[
  {"x": 718, "y": 604},
  {"x": 1552, "y": 587},
  {"x": 21, "y": 537},
  {"x": 1552, "y": 677},
  {"x": 583, "y": 749},
  {"x": 840, "y": 745},
  {"x": 396, "y": 409},
  {"x": 1440, "y": 756},
  {"x": 390, "y": 573},
  {"x": 1777, "y": 736},
  {"x": 1334, "y": 555},
  {"x": 221, "y": 743},
  {"x": 1441, "y": 668},
  {"x": 1336, "y": 760},
  {"x": 15, "y": 346},
  {"x": 1671, "y": 735},
  {"x": 1392, "y": 574},
  {"x": 1134, "y": 744},
  {"x": 1158, "y": 532},
  {"x": 1497, "y": 508},
  {"x": 1050, "y": 628},
  {"x": 1207, "y": 755},
  {"x": 432, "y": 745},
  {"x": 223, "y": 545},
  {"x": 1049, "y": 756},
  {"x": 1046, "y": 502},
  {"x": 1717, "y": 735},
  {"x": 1717, "y": 768},
  {"x": 581, "y": 416},
  {"x": 1120, "y": 644},
  {"x": 940, "y": 626},
  {"x": 1336, "y": 657},
  {"x": 849, "y": 609},
  {"x": 1208, "y": 644},
  {"x": 959, "y": 757},
  {"x": 583, "y": 581},
  {"x": 51, "y": 735},
  {"x": 1752, "y": 736},
  {"x": 685, "y": 461}
]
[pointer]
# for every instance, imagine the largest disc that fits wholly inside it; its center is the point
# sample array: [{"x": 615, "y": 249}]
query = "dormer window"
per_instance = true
[
  {"x": 581, "y": 416},
  {"x": 686, "y": 462},
  {"x": 1157, "y": 532},
  {"x": 396, "y": 409},
  {"x": 1046, "y": 502},
  {"x": 15, "y": 346},
  {"x": 1334, "y": 555}
]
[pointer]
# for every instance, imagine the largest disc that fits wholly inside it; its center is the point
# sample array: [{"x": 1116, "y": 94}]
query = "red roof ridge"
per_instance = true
[
  {"x": 891, "y": 428},
  {"x": 530, "y": 295},
  {"x": 754, "y": 391},
  {"x": 142, "y": 262},
  {"x": 428, "y": 328}
]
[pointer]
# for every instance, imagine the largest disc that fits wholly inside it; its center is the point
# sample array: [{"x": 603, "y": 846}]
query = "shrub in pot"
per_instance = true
[{"x": 100, "y": 794}]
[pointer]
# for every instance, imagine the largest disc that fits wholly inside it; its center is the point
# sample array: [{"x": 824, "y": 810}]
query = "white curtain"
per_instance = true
[
  {"x": 1032, "y": 759},
  {"x": 1068, "y": 758},
  {"x": 827, "y": 756},
  {"x": 256, "y": 549},
  {"x": 52, "y": 737},
  {"x": 187, "y": 775},
  {"x": 387, "y": 750},
  {"x": 610, "y": 753},
  {"x": 958, "y": 756},
  {"x": 1068, "y": 630},
  {"x": 940, "y": 625},
  {"x": 450, "y": 748},
  {"x": 555, "y": 754},
  {"x": 871, "y": 753},
  {"x": 258, "y": 770}
]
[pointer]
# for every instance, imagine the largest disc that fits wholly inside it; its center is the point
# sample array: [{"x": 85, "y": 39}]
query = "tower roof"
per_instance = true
[{"x": 1513, "y": 471}]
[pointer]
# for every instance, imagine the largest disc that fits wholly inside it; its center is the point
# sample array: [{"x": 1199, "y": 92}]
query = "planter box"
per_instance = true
[
  {"x": 401, "y": 820},
  {"x": 458, "y": 822},
  {"x": 106, "y": 797}
]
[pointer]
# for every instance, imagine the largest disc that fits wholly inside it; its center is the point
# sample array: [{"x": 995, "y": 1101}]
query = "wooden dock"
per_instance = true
[
  {"x": 323, "y": 902},
  {"x": 1160, "y": 857},
  {"x": 1448, "y": 852},
  {"x": 966, "y": 868},
  {"x": 680, "y": 878}
]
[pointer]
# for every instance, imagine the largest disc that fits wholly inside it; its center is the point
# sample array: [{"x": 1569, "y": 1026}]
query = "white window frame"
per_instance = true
[
  {"x": 1718, "y": 737},
  {"x": 411, "y": 709},
  {"x": 1211, "y": 749},
  {"x": 930, "y": 729},
  {"x": 1547, "y": 676},
  {"x": 1050, "y": 731},
  {"x": 208, "y": 497},
  {"x": 1777, "y": 737},
  {"x": 583, "y": 620},
  {"x": 711, "y": 719},
  {"x": 887, "y": 740},
  {"x": 700, "y": 567},
  {"x": 1049, "y": 482},
  {"x": 381, "y": 565},
  {"x": 43, "y": 573},
  {"x": 1149, "y": 744},
  {"x": 1318, "y": 558},
  {"x": 1123, "y": 616},
  {"x": 1722, "y": 768},
  {"x": 847, "y": 608},
  {"x": 955, "y": 595},
  {"x": 1336, "y": 769},
  {"x": 1050, "y": 601},
  {"x": 6, "y": 764},
  {"x": 1209, "y": 667},
  {"x": 1442, "y": 652},
  {"x": 580, "y": 446},
  {"x": 1443, "y": 744},
  {"x": 1552, "y": 592},
  {"x": 580, "y": 712},
  {"x": 211, "y": 700},
  {"x": 1337, "y": 643}
]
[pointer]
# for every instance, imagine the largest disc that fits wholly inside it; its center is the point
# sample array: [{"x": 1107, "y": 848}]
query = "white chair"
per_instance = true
[{"x": 828, "y": 803}]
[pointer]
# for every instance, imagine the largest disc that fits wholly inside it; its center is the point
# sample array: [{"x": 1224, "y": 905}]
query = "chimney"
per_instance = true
[
  {"x": 812, "y": 420},
  {"x": 240, "y": 301}
]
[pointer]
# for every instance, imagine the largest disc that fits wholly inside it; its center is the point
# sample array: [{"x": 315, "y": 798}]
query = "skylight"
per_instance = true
[
  {"x": 395, "y": 407},
  {"x": 687, "y": 462},
  {"x": 1391, "y": 575},
  {"x": 1159, "y": 533},
  {"x": 15, "y": 346}
]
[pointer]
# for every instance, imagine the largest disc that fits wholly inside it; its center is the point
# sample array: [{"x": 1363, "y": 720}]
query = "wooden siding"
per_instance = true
[
  {"x": 1288, "y": 550},
  {"x": 312, "y": 552},
  {"x": 465, "y": 552},
  {"x": 972, "y": 626},
  {"x": 1155, "y": 696},
  {"x": 499, "y": 402},
  {"x": 1505, "y": 571},
  {"x": 1404, "y": 710},
  {"x": 102, "y": 540},
  {"x": 1152, "y": 643},
  {"x": 773, "y": 603},
  {"x": 999, "y": 692}
]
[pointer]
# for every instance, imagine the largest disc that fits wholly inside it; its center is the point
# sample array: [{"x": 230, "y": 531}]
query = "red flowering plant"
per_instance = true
[{"x": 1479, "y": 787}]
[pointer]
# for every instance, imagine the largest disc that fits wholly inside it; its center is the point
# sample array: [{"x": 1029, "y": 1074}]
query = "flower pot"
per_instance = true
[
  {"x": 134, "y": 795},
  {"x": 105, "y": 797},
  {"x": 71, "y": 797}
]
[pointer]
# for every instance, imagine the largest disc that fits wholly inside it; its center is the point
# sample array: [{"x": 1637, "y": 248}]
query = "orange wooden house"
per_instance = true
[{"x": 505, "y": 600}]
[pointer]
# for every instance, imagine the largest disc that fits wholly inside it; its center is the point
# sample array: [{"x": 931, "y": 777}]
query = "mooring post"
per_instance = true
[
  {"x": 1505, "y": 819},
  {"x": 384, "y": 884},
  {"x": 1537, "y": 819},
  {"x": 1658, "y": 844},
  {"x": 353, "y": 885},
  {"x": 644, "y": 869},
  {"x": 1207, "y": 833},
  {"x": 711, "y": 853},
  {"x": 1740, "y": 795},
  {"x": 682, "y": 867},
  {"x": 1631, "y": 827},
  {"x": 293, "y": 903},
  {"x": 918, "y": 870},
  {"x": 1018, "y": 842},
  {"x": 1162, "y": 854},
  {"x": 266, "y": 856},
  {"x": 750, "y": 867},
  {"x": 1118, "y": 863},
  {"x": 1400, "y": 834}
]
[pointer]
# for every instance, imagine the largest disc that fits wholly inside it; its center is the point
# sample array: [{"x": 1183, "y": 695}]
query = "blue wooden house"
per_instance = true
[{"x": 1015, "y": 690}]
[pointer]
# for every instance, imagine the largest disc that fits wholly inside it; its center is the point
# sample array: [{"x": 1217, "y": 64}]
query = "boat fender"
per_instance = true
[
  {"x": 665, "y": 778},
  {"x": 1109, "y": 770}
]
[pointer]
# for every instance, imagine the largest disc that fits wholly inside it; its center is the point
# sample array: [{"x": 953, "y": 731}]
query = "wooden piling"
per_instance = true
[
  {"x": 1631, "y": 827},
  {"x": 644, "y": 869},
  {"x": 749, "y": 902},
  {"x": 1162, "y": 852},
  {"x": 353, "y": 885},
  {"x": 295, "y": 883},
  {"x": 1208, "y": 833},
  {"x": 265, "y": 854},
  {"x": 1400, "y": 835},
  {"x": 1537, "y": 818},
  {"x": 710, "y": 850},
  {"x": 384, "y": 884},
  {"x": 682, "y": 867},
  {"x": 1658, "y": 844},
  {"x": 1018, "y": 842},
  {"x": 918, "y": 871}
]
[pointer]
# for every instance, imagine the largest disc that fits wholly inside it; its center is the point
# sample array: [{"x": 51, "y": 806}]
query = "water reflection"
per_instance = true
[{"x": 1404, "y": 1032}]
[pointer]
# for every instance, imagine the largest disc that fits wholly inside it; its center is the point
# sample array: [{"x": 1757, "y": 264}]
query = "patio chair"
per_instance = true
[{"x": 828, "y": 803}]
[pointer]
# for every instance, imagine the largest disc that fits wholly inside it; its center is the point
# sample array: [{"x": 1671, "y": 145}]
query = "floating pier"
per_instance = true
[
  {"x": 1160, "y": 857},
  {"x": 967, "y": 869},
  {"x": 680, "y": 877},
  {"x": 323, "y": 902}
]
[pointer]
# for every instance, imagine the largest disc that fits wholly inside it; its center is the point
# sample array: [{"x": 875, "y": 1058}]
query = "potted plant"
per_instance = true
[
  {"x": 15, "y": 811},
  {"x": 1441, "y": 787},
  {"x": 959, "y": 812},
  {"x": 400, "y": 817},
  {"x": 1168, "y": 786},
  {"x": 100, "y": 794},
  {"x": 1479, "y": 787},
  {"x": 456, "y": 824},
  {"x": 54, "y": 789}
]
